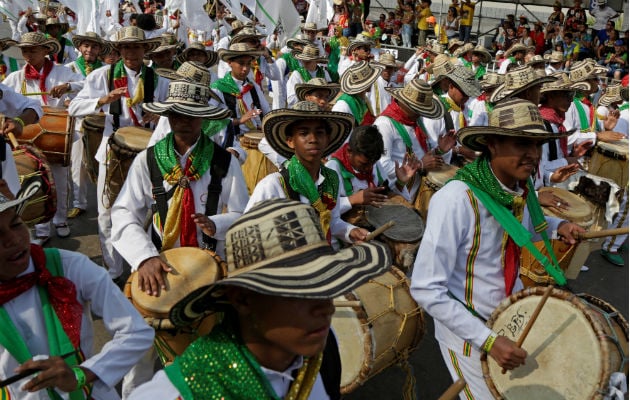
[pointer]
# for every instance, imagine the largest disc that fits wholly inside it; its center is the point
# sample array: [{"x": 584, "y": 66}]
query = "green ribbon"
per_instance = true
[
  {"x": 357, "y": 106},
  {"x": 168, "y": 160}
]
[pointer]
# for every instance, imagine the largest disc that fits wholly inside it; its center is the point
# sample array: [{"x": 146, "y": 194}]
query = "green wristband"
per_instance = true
[
  {"x": 79, "y": 375},
  {"x": 19, "y": 121}
]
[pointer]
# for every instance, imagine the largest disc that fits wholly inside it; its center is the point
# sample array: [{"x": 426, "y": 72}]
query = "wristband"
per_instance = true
[
  {"x": 487, "y": 346},
  {"x": 400, "y": 183},
  {"x": 19, "y": 121},
  {"x": 79, "y": 375},
  {"x": 439, "y": 151}
]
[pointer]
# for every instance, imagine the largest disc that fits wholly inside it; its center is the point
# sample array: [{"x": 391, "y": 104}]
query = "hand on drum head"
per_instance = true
[
  {"x": 611, "y": 120},
  {"x": 507, "y": 354},
  {"x": 609, "y": 136},
  {"x": 151, "y": 275},
  {"x": 150, "y": 118},
  {"x": 408, "y": 169},
  {"x": 562, "y": 174},
  {"x": 368, "y": 197},
  {"x": 568, "y": 232},
  {"x": 358, "y": 234},
  {"x": 580, "y": 149},
  {"x": 205, "y": 224},
  {"x": 448, "y": 141},
  {"x": 550, "y": 200},
  {"x": 431, "y": 162}
]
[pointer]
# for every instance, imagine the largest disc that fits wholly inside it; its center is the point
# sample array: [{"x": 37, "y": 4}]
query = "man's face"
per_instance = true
[
  {"x": 241, "y": 66},
  {"x": 197, "y": 55},
  {"x": 567, "y": 40},
  {"x": 457, "y": 95},
  {"x": 311, "y": 35},
  {"x": 35, "y": 55},
  {"x": 387, "y": 73},
  {"x": 163, "y": 59},
  {"x": 360, "y": 162},
  {"x": 560, "y": 100},
  {"x": 90, "y": 50},
  {"x": 319, "y": 97},
  {"x": 14, "y": 245},
  {"x": 184, "y": 125},
  {"x": 361, "y": 52},
  {"x": 519, "y": 55},
  {"x": 513, "y": 159},
  {"x": 132, "y": 55},
  {"x": 309, "y": 139}
]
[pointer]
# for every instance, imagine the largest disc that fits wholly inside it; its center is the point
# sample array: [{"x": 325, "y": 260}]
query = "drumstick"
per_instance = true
[
  {"x": 28, "y": 372},
  {"x": 13, "y": 140},
  {"x": 603, "y": 233},
  {"x": 453, "y": 391},
  {"x": 379, "y": 230},
  {"x": 346, "y": 303},
  {"x": 44, "y": 93},
  {"x": 531, "y": 321}
]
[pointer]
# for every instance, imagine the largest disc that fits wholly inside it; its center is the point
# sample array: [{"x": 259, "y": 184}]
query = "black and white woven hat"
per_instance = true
[{"x": 189, "y": 99}]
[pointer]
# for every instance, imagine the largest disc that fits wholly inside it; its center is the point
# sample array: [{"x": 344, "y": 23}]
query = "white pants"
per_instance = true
[
  {"x": 60, "y": 176},
  {"x": 470, "y": 369},
  {"x": 612, "y": 243},
  {"x": 112, "y": 260},
  {"x": 78, "y": 172}
]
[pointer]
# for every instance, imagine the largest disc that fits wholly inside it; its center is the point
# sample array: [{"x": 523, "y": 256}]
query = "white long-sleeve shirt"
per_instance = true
[
  {"x": 296, "y": 78},
  {"x": 378, "y": 92}
]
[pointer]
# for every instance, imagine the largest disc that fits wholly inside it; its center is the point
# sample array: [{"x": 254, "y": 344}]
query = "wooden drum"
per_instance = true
[
  {"x": 610, "y": 160},
  {"x": 52, "y": 135},
  {"x": 93, "y": 127},
  {"x": 256, "y": 166},
  {"x": 31, "y": 164},
  {"x": 431, "y": 183}
]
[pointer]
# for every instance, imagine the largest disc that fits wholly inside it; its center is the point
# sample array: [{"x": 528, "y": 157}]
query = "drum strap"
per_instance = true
[
  {"x": 230, "y": 102},
  {"x": 553, "y": 147},
  {"x": 292, "y": 194},
  {"x": 218, "y": 170},
  {"x": 330, "y": 369}
]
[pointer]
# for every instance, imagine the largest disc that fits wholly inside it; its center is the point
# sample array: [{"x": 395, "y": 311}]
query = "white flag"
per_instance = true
[
  {"x": 272, "y": 13},
  {"x": 318, "y": 12},
  {"x": 192, "y": 13},
  {"x": 235, "y": 9},
  {"x": 12, "y": 8},
  {"x": 86, "y": 14}
]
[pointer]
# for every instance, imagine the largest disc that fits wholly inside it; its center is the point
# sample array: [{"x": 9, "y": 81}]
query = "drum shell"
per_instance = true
[
  {"x": 431, "y": 183},
  {"x": 381, "y": 332},
  {"x": 610, "y": 160},
  {"x": 31, "y": 164},
  {"x": 93, "y": 127},
  {"x": 571, "y": 352},
  {"x": 52, "y": 135},
  {"x": 256, "y": 166}
]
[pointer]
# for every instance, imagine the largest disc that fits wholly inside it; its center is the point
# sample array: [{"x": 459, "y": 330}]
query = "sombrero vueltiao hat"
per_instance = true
[
  {"x": 512, "y": 117},
  {"x": 238, "y": 50},
  {"x": 32, "y": 39},
  {"x": 192, "y": 71},
  {"x": 275, "y": 123},
  {"x": 304, "y": 88},
  {"x": 418, "y": 96},
  {"x": 310, "y": 52},
  {"x": 537, "y": 59},
  {"x": 359, "y": 77},
  {"x": 5, "y": 43},
  {"x": 518, "y": 80},
  {"x": 453, "y": 44},
  {"x": 246, "y": 34},
  {"x": 297, "y": 40},
  {"x": 106, "y": 47},
  {"x": 483, "y": 54},
  {"x": 360, "y": 40},
  {"x": 168, "y": 41},
  {"x": 188, "y": 99},
  {"x": 491, "y": 80},
  {"x": 463, "y": 50},
  {"x": 586, "y": 69},
  {"x": 236, "y": 26},
  {"x": 440, "y": 68},
  {"x": 387, "y": 60},
  {"x": 465, "y": 80},
  {"x": 554, "y": 57},
  {"x": 308, "y": 268},
  {"x": 435, "y": 48},
  {"x": 133, "y": 34},
  {"x": 212, "y": 59},
  {"x": 612, "y": 94},
  {"x": 312, "y": 26},
  {"x": 562, "y": 83},
  {"x": 517, "y": 47}
]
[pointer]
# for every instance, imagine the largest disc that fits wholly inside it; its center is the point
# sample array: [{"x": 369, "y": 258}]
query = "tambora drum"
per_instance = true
[
  {"x": 431, "y": 183},
  {"x": 581, "y": 213},
  {"x": 52, "y": 135},
  {"x": 124, "y": 146},
  {"x": 93, "y": 127},
  {"x": 574, "y": 347},
  {"x": 610, "y": 160},
  {"x": 256, "y": 166},
  {"x": 382, "y": 331},
  {"x": 31, "y": 164},
  {"x": 172, "y": 315}
]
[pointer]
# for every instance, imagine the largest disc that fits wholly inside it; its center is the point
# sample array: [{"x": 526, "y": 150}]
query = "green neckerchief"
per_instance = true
[
  {"x": 347, "y": 177},
  {"x": 119, "y": 72},
  {"x": 211, "y": 127},
  {"x": 219, "y": 366},
  {"x": 306, "y": 75},
  {"x": 292, "y": 63},
  {"x": 465, "y": 62},
  {"x": 168, "y": 160},
  {"x": 624, "y": 106},
  {"x": 301, "y": 181},
  {"x": 584, "y": 124},
  {"x": 81, "y": 64},
  {"x": 58, "y": 341},
  {"x": 447, "y": 105},
  {"x": 404, "y": 135},
  {"x": 480, "y": 72},
  {"x": 512, "y": 60},
  {"x": 486, "y": 187},
  {"x": 226, "y": 85},
  {"x": 357, "y": 106}
]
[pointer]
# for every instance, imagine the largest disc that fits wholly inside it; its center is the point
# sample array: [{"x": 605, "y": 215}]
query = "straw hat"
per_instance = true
[
  {"x": 106, "y": 47},
  {"x": 562, "y": 83},
  {"x": 238, "y": 50},
  {"x": 359, "y": 77},
  {"x": 304, "y": 88},
  {"x": 297, "y": 40},
  {"x": 517, "y": 47},
  {"x": 453, "y": 44},
  {"x": 387, "y": 60},
  {"x": 246, "y": 34},
  {"x": 465, "y": 80},
  {"x": 360, "y": 40},
  {"x": 189, "y": 99},
  {"x": 310, "y": 52},
  {"x": 236, "y": 26},
  {"x": 512, "y": 117},
  {"x": 52, "y": 21},
  {"x": 518, "y": 80},
  {"x": 275, "y": 123},
  {"x": 32, "y": 39},
  {"x": 435, "y": 48},
  {"x": 312, "y": 26},
  {"x": 491, "y": 80},
  {"x": 272, "y": 262},
  {"x": 168, "y": 41},
  {"x": 418, "y": 96},
  {"x": 537, "y": 59},
  {"x": 554, "y": 57},
  {"x": 612, "y": 94},
  {"x": 133, "y": 34},
  {"x": 192, "y": 71},
  {"x": 463, "y": 49},
  {"x": 585, "y": 70},
  {"x": 483, "y": 54},
  {"x": 212, "y": 56},
  {"x": 6, "y": 43},
  {"x": 441, "y": 68}
]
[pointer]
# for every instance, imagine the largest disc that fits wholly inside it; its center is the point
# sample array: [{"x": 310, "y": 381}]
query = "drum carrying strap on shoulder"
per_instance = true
[
  {"x": 230, "y": 102},
  {"x": 115, "y": 108},
  {"x": 291, "y": 194},
  {"x": 218, "y": 170},
  {"x": 553, "y": 146}
]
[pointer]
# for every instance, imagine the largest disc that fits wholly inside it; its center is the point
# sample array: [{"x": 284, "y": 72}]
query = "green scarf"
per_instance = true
[
  {"x": 480, "y": 72},
  {"x": 306, "y": 75},
  {"x": 168, "y": 160},
  {"x": 357, "y": 106},
  {"x": 211, "y": 127},
  {"x": 292, "y": 63},
  {"x": 226, "y": 85},
  {"x": 333, "y": 58},
  {"x": 81, "y": 63},
  {"x": 584, "y": 123}
]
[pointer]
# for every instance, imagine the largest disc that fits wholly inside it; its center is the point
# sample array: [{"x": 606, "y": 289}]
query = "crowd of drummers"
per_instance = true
[{"x": 274, "y": 160}]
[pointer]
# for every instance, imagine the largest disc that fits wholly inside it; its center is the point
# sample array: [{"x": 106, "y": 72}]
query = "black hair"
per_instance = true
[
  {"x": 146, "y": 22},
  {"x": 367, "y": 140}
]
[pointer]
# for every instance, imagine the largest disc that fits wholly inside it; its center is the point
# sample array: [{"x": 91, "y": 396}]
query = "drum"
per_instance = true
[
  {"x": 124, "y": 146},
  {"x": 93, "y": 127},
  {"x": 431, "y": 183},
  {"x": 256, "y": 166},
  {"x": 403, "y": 239},
  {"x": 382, "y": 331},
  {"x": 52, "y": 135},
  {"x": 172, "y": 315},
  {"x": 31, "y": 164},
  {"x": 610, "y": 160},
  {"x": 574, "y": 347},
  {"x": 580, "y": 212}
]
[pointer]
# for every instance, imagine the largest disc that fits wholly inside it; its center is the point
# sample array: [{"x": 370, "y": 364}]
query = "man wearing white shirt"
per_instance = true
[{"x": 311, "y": 68}]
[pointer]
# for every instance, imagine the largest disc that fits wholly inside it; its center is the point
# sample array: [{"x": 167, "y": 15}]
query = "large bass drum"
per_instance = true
[
  {"x": 31, "y": 164},
  {"x": 52, "y": 135}
]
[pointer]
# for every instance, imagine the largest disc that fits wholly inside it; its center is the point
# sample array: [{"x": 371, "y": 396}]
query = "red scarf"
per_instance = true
[
  {"x": 246, "y": 88},
  {"x": 396, "y": 113},
  {"x": 31, "y": 73},
  {"x": 549, "y": 114},
  {"x": 591, "y": 109},
  {"x": 188, "y": 233},
  {"x": 61, "y": 292},
  {"x": 342, "y": 156},
  {"x": 258, "y": 76}
]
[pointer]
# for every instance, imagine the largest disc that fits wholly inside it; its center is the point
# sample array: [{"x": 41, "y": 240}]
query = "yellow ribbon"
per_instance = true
[
  {"x": 138, "y": 95},
  {"x": 307, "y": 375},
  {"x": 325, "y": 216},
  {"x": 173, "y": 223}
]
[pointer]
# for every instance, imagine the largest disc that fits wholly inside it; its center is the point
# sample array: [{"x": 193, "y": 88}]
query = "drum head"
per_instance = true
[
  {"x": 408, "y": 226},
  {"x": 441, "y": 176},
  {"x": 579, "y": 212},
  {"x": 619, "y": 148},
  {"x": 194, "y": 270},
  {"x": 132, "y": 137},
  {"x": 566, "y": 349}
]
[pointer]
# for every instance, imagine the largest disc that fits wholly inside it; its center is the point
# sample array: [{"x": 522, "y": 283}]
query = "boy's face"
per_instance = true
[
  {"x": 513, "y": 159},
  {"x": 14, "y": 245},
  {"x": 241, "y": 66},
  {"x": 319, "y": 97},
  {"x": 309, "y": 139}
]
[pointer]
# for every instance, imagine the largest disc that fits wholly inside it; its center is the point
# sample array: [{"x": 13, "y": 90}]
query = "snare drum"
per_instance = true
[
  {"x": 173, "y": 314},
  {"x": 581, "y": 213},
  {"x": 124, "y": 146},
  {"x": 31, "y": 164},
  {"x": 574, "y": 347},
  {"x": 93, "y": 127},
  {"x": 382, "y": 331},
  {"x": 431, "y": 183},
  {"x": 610, "y": 160},
  {"x": 52, "y": 135},
  {"x": 256, "y": 166}
]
